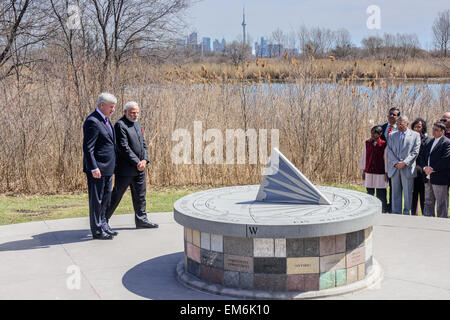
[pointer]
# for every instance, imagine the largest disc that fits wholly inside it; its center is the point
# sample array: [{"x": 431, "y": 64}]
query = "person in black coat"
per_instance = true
[
  {"x": 435, "y": 163},
  {"x": 132, "y": 158},
  {"x": 99, "y": 159},
  {"x": 419, "y": 125}
]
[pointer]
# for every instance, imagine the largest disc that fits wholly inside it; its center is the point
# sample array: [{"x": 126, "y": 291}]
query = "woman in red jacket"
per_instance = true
[{"x": 374, "y": 165}]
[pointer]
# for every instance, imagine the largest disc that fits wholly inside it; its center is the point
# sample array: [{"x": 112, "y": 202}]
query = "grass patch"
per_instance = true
[{"x": 18, "y": 209}]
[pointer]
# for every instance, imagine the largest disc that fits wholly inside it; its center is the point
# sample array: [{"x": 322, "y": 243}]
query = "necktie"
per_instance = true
[
  {"x": 108, "y": 124},
  {"x": 390, "y": 129}
]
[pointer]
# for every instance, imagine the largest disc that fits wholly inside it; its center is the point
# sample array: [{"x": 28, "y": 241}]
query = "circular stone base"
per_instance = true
[{"x": 371, "y": 280}]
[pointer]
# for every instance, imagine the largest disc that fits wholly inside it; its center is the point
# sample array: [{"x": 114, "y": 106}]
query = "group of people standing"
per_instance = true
[
  {"x": 413, "y": 165},
  {"x": 119, "y": 150}
]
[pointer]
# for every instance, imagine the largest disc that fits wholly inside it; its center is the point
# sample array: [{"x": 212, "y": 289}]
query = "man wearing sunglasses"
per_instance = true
[
  {"x": 445, "y": 119},
  {"x": 388, "y": 128}
]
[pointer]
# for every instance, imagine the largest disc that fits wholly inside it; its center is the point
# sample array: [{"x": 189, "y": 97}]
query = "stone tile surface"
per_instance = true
[
  {"x": 270, "y": 265},
  {"x": 238, "y": 263},
  {"x": 263, "y": 247},
  {"x": 238, "y": 246},
  {"x": 332, "y": 262},
  {"x": 217, "y": 242},
  {"x": 303, "y": 265}
]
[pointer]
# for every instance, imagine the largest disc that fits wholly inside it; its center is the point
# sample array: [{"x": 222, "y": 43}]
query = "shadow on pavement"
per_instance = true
[
  {"x": 156, "y": 279},
  {"x": 47, "y": 239}
]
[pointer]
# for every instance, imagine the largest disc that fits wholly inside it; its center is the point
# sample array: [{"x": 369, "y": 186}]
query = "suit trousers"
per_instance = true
[
  {"x": 381, "y": 195},
  {"x": 418, "y": 195},
  {"x": 436, "y": 195},
  {"x": 99, "y": 191},
  {"x": 400, "y": 183},
  {"x": 138, "y": 191}
]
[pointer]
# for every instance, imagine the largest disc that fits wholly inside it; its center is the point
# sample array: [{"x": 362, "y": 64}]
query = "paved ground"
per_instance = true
[{"x": 140, "y": 264}]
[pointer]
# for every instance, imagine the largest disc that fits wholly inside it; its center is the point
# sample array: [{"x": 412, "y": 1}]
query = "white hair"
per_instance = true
[
  {"x": 106, "y": 97},
  {"x": 404, "y": 118},
  {"x": 130, "y": 104}
]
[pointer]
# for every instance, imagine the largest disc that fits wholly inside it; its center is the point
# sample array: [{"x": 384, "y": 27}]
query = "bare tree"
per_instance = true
[
  {"x": 342, "y": 43},
  {"x": 373, "y": 45},
  {"x": 22, "y": 28},
  {"x": 279, "y": 39},
  {"x": 441, "y": 31},
  {"x": 138, "y": 26},
  {"x": 237, "y": 52},
  {"x": 315, "y": 41}
]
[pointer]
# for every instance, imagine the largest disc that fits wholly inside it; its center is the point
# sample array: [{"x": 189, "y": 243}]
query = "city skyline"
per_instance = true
[{"x": 263, "y": 17}]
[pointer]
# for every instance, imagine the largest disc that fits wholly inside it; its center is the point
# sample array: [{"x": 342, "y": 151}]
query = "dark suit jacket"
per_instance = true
[
  {"x": 439, "y": 161},
  {"x": 131, "y": 147},
  {"x": 98, "y": 145},
  {"x": 425, "y": 141},
  {"x": 384, "y": 126}
]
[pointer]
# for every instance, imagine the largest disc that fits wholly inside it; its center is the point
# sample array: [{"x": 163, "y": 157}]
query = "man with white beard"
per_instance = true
[{"x": 132, "y": 158}]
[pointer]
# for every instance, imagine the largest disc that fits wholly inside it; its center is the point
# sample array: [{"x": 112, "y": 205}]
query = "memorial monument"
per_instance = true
[{"x": 285, "y": 238}]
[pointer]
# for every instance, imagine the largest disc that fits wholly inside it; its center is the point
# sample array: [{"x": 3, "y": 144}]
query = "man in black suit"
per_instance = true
[
  {"x": 391, "y": 125},
  {"x": 388, "y": 128},
  {"x": 98, "y": 163},
  {"x": 132, "y": 157},
  {"x": 435, "y": 163}
]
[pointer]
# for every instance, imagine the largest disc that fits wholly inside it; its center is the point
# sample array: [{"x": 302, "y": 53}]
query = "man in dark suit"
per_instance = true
[
  {"x": 391, "y": 125},
  {"x": 388, "y": 128},
  {"x": 98, "y": 163},
  {"x": 132, "y": 157},
  {"x": 435, "y": 163}
]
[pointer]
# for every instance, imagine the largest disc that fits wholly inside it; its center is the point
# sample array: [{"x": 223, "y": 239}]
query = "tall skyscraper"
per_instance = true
[
  {"x": 206, "y": 44},
  {"x": 217, "y": 46},
  {"x": 192, "y": 39}
]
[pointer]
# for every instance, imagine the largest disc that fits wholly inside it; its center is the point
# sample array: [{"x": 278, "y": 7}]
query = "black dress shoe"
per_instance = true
[
  {"x": 111, "y": 232},
  {"x": 103, "y": 236},
  {"x": 146, "y": 225}
]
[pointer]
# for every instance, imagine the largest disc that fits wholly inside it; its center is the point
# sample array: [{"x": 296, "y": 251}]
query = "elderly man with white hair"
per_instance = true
[
  {"x": 132, "y": 158},
  {"x": 403, "y": 148},
  {"x": 99, "y": 161}
]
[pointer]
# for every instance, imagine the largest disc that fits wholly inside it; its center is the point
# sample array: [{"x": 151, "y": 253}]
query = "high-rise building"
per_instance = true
[
  {"x": 206, "y": 44},
  {"x": 192, "y": 39},
  {"x": 216, "y": 46},
  {"x": 261, "y": 49}
]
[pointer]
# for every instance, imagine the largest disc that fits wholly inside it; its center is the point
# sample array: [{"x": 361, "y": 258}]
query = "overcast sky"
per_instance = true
[{"x": 223, "y": 18}]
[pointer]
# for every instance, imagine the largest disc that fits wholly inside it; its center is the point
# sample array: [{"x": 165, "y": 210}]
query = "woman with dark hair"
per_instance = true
[
  {"x": 374, "y": 165},
  {"x": 419, "y": 125}
]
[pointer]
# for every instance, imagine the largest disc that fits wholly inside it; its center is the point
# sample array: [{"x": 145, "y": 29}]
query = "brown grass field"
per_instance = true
[{"x": 321, "y": 127}]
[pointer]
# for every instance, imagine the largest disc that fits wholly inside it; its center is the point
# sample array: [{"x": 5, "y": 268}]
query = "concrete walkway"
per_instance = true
[{"x": 39, "y": 259}]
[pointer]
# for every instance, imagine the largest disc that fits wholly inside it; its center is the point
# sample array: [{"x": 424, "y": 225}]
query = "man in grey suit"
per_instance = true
[{"x": 403, "y": 148}]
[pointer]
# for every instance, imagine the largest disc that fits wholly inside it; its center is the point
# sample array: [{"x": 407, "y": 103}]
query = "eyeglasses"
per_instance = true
[
  {"x": 443, "y": 120},
  {"x": 393, "y": 114}
]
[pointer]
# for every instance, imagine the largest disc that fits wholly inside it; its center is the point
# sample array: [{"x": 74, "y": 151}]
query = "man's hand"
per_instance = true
[
  {"x": 96, "y": 174},
  {"x": 363, "y": 175},
  {"x": 141, "y": 165},
  {"x": 400, "y": 165},
  {"x": 428, "y": 170},
  {"x": 418, "y": 168},
  {"x": 386, "y": 177}
]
